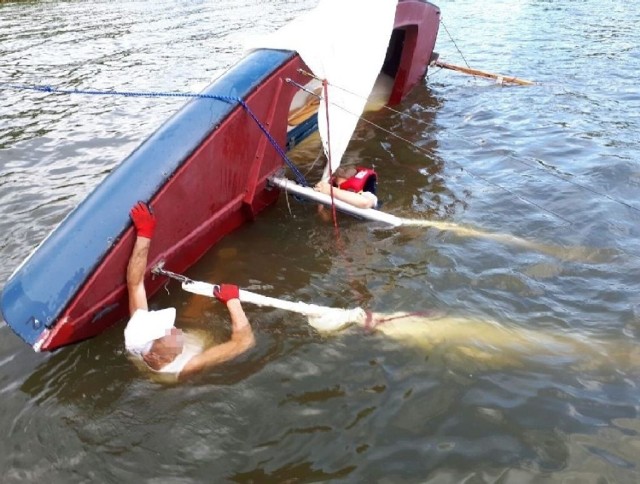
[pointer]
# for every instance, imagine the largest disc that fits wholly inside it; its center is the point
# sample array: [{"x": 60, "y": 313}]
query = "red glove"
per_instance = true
[
  {"x": 226, "y": 292},
  {"x": 143, "y": 219}
]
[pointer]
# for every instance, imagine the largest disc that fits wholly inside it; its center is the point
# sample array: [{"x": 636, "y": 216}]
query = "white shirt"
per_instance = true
[
  {"x": 191, "y": 347},
  {"x": 371, "y": 197}
]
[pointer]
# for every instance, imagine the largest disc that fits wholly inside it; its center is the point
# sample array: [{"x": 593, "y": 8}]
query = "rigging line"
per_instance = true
[
  {"x": 286, "y": 197},
  {"x": 228, "y": 99},
  {"x": 333, "y": 205},
  {"x": 320, "y": 153},
  {"x": 463, "y": 168},
  {"x": 475, "y": 175},
  {"x": 512, "y": 156},
  {"x": 55, "y": 90},
  {"x": 454, "y": 43},
  {"x": 433, "y": 74},
  {"x": 340, "y": 243},
  {"x": 298, "y": 174},
  {"x": 426, "y": 153},
  {"x": 388, "y": 108},
  {"x": 555, "y": 175}
]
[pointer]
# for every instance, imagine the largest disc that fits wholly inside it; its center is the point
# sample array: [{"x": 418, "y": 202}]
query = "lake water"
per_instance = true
[{"x": 531, "y": 375}]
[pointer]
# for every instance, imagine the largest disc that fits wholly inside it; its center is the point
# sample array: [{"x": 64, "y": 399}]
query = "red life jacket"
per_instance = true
[{"x": 364, "y": 180}]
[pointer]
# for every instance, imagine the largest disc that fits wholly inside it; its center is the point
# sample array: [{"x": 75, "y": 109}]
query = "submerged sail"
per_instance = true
[{"x": 344, "y": 43}]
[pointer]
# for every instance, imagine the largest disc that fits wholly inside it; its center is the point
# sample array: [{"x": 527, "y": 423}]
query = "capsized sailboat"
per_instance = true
[{"x": 206, "y": 170}]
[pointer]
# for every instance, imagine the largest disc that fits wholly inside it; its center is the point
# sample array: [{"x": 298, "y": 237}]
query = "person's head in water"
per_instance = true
[
  {"x": 153, "y": 337},
  {"x": 165, "y": 349}
]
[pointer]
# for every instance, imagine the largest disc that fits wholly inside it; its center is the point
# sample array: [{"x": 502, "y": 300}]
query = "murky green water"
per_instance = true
[{"x": 529, "y": 375}]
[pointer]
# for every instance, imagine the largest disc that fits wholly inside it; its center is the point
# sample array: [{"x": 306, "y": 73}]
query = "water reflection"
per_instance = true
[{"x": 85, "y": 375}]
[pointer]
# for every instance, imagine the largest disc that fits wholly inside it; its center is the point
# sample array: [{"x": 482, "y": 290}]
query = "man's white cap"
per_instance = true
[{"x": 145, "y": 327}]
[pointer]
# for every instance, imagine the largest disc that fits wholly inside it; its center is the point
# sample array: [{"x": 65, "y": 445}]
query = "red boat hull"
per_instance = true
[{"x": 204, "y": 173}]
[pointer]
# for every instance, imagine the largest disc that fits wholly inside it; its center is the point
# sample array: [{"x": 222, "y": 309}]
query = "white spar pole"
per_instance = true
[
  {"x": 310, "y": 193},
  {"x": 322, "y": 318},
  {"x": 377, "y": 215},
  {"x": 370, "y": 213}
]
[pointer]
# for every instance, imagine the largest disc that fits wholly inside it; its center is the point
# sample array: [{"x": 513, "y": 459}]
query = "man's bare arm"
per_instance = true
[
  {"x": 145, "y": 223},
  {"x": 135, "y": 275},
  {"x": 352, "y": 198},
  {"x": 242, "y": 339},
  {"x": 355, "y": 199}
]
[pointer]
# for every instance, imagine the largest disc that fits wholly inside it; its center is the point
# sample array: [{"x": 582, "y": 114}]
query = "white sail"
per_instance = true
[{"x": 344, "y": 42}]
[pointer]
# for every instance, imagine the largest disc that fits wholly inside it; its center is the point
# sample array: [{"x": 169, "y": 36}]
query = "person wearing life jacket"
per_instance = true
[
  {"x": 151, "y": 337},
  {"x": 354, "y": 185}
]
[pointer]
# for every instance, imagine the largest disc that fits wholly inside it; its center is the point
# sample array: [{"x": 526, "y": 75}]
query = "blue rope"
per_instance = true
[
  {"x": 299, "y": 176},
  {"x": 228, "y": 99}
]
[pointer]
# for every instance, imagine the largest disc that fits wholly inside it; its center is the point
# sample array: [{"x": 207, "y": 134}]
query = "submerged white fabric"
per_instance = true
[
  {"x": 145, "y": 327},
  {"x": 344, "y": 42},
  {"x": 192, "y": 346}
]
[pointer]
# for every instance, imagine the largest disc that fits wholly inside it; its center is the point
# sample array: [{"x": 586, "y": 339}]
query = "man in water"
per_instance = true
[
  {"x": 152, "y": 338},
  {"x": 356, "y": 186}
]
